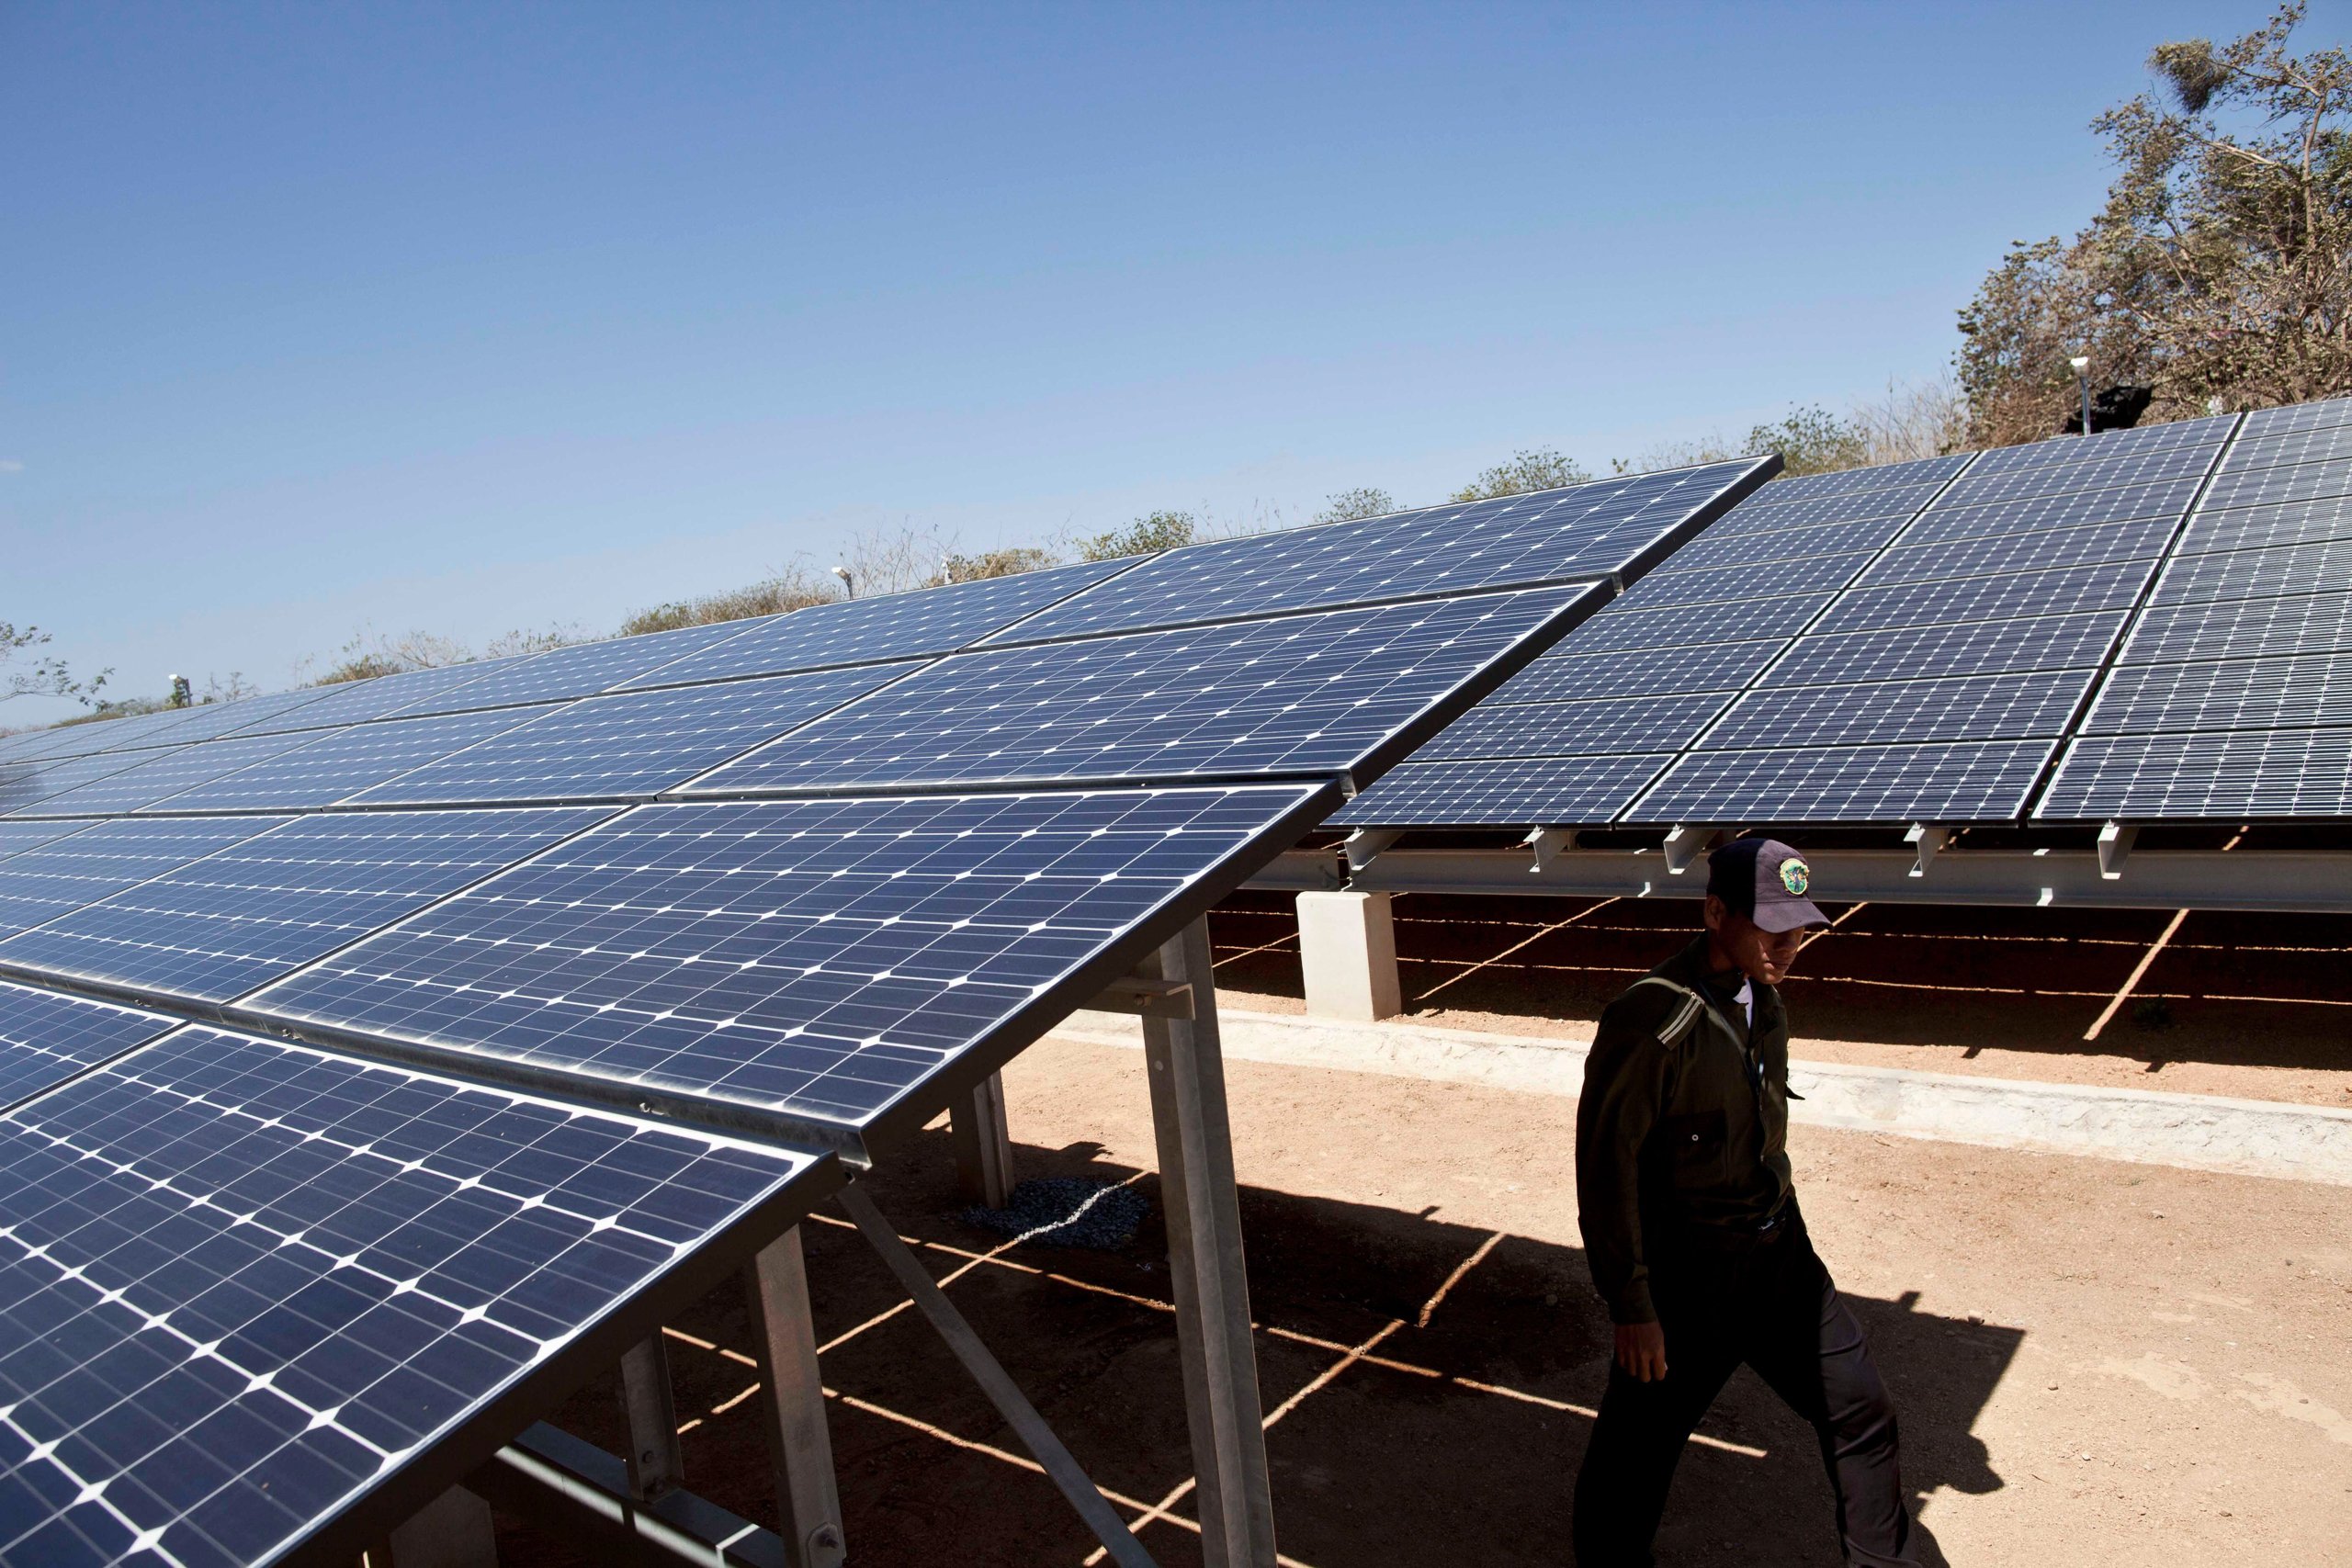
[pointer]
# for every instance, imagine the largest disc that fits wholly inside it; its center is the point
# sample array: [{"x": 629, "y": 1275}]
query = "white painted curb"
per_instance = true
[{"x": 2250, "y": 1137}]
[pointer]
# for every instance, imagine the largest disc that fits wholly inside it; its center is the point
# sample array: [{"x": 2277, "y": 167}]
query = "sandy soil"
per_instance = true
[{"x": 2097, "y": 1363}]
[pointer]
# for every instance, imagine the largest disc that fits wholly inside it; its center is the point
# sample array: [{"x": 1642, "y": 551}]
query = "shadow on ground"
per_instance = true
[{"x": 1453, "y": 1439}]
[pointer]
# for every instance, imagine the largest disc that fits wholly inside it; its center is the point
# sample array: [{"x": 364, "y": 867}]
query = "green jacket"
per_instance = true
[{"x": 1673, "y": 1133}]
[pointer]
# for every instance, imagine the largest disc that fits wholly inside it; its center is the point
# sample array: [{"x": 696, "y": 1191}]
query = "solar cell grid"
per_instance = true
[
  {"x": 632, "y": 744},
  {"x": 815, "y": 960},
  {"x": 1809, "y": 574},
  {"x": 2167, "y": 499},
  {"x": 2252, "y": 574},
  {"x": 2241, "y": 628},
  {"x": 1611, "y": 630},
  {"x": 1967, "y": 781},
  {"x": 1563, "y": 791},
  {"x": 46, "y": 1038},
  {"x": 2297, "y": 416},
  {"x": 1767, "y": 514},
  {"x": 1297, "y": 693},
  {"x": 1593, "y": 530},
  {"x": 2109, "y": 443},
  {"x": 2232, "y": 774},
  {"x": 211, "y": 719},
  {"x": 1565, "y": 675},
  {"x": 2266, "y": 487},
  {"x": 1975, "y": 707},
  {"x": 2254, "y": 527},
  {"x": 38, "y": 885},
  {"x": 216, "y": 929},
  {"x": 1967, "y": 601},
  {"x": 1621, "y": 724},
  {"x": 862, "y": 631},
  {"x": 165, "y": 772},
  {"x": 106, "y": 735},
  {"x": 18, "y": 837},
  {"x": 1881, "y": 475},
  {"x": 2228, "y": 694},
  {"x": 577, "y": 671},
  {"x": 244, "y": 1284},
  {"x": 2047, "y": 642},
  {"x": 1980, "y": 486},
  {"x": 24, "y": 785},
  {"x": 1718, "y": 548},
  {"x": 2332, "y": 442},
  {"x": 2003, "y": 553},
  {"x": 356, "y": 701},
  {"x": 332, "y": 765}
]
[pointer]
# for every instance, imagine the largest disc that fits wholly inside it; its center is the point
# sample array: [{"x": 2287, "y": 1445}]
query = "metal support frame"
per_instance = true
[
  {"x": 454, "y": 1530},
  {"x": 2115, "y": 841},
  {"x": 1684, "y": 845},
  {"x": 1924, "y": 842},
  {"x": 983, "y": 1143},
  {"x": 2284, "y": 881},
  {"x": 572, "y": 1488},
  {"x": 1547, "y": 844},
  {"x": 656, "y": 1464},
  {"x": 1206, "y": 1270},
  {"x": 791, "y": 1405},
  {"x": 1018, "y": 1412},
  {"x": 1364, "y": 845}
]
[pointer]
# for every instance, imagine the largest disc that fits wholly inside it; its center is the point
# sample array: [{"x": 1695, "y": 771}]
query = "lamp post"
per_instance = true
[
  {"x": 2082, "y": 364},
  {"x": 848, "y": 584}
]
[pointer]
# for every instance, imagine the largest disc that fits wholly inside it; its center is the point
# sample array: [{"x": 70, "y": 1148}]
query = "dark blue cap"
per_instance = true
[{"x": 1765, "y": 881}]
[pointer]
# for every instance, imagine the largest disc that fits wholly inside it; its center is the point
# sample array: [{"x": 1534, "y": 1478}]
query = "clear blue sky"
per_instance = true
[{"x": 464, "y": 318}]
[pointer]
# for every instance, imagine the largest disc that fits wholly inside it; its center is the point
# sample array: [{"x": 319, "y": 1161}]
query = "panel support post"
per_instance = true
[
  {"x": 453, "y": 1530},
  {"x": 983, "y": 1144},
  {"x": 656, "y": 1464},
  {"x": 1205, "y": 1267},
  {"x": 1346, "y": 946},
  {"x": 792, "y": 1406}
]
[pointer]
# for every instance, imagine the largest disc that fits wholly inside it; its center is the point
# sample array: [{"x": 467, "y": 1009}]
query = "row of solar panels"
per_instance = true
[
  {"x": 2144, "y": 624},
  {"x": 399, "y": 1117}
]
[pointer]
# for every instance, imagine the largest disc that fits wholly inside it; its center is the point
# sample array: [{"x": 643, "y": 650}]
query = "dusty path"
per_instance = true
[{"x": 2184, "y": 1331}]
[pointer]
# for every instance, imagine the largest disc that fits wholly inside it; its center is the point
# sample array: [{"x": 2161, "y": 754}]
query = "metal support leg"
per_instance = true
[
  {"x": 1206, "y": 1268},
  {"x": 1347, "y": 951},
  {"x": 793, "y": 1407},
  {"x": 452, "y": 1531},
  {"x": 656, "y": 1464},
  {"x": 983, "y": 1144}
]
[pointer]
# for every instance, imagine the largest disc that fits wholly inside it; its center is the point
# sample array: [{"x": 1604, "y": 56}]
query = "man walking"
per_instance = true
[{"x": 1693, "y": 1233}]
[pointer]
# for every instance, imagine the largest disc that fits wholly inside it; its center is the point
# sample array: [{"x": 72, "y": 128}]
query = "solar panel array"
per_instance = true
[
  {"x": 286, "y": 1206},
  {"x": 1917, "y": 643}
]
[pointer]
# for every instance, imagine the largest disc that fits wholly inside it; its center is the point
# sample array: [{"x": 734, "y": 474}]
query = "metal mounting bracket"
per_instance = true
[
  {"x": 2115, "y": 841},
  {"x": 1926, "y": 840},
  {"x": 1686, "y": 845},
  {"x": 1548, "y": 843},
  {"x": 1364, "y": 845}
]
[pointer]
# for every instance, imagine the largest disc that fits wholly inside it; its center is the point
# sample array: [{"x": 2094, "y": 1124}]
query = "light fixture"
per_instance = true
[{"x": 849, "y": 584}]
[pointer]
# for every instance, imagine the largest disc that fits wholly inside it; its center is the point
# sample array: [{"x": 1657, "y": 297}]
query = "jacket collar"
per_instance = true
[{"x": 1689, "y": 967}]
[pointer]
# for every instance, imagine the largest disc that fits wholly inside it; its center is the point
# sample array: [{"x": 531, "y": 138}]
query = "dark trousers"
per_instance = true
[{"x": 1769, "y": 1304}]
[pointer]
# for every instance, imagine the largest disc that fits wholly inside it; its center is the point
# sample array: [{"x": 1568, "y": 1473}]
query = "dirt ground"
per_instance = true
[
  {"x": 2257, "y": 1006},
  {"x": 2096, "y": 1362}
]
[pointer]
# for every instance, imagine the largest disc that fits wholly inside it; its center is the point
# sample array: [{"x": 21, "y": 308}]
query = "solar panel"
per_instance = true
[
  {"x": 1720, "y": 547},
  {"x": 2109, "y": 443},
  {"x": 2229, "y": 693},
  {"x": 23, "y": 785},
  {"x": 1567, "y": 672},
  {"x": 1688, "y": 624},
  {"x": 2046, "y": 642},
  {"x": 246, "y": 1285},
  {"x": 2268, "y": 486},
  {"x": 1772, "y": 511},
  {"x": 1621, "y": 724},
  {"x": 1975, "y": 708},
  {"x": 165, "y": 772},
  {"x": 2234, "y": 629},
  {"x": 1971, "y": 781},
  {"x": 2111, "y": 586},
  {"x": 332, "y": 765},
  {"x": 356, "y": 701},
  {"x": 814, "y": 961},
  {"x": 865, "y": 631},
  {"x": 17, "y": 837},
  {"x": 1873, "y": 477},
  {"x": 632, "y": 744},
  {"x": 46, "y": 1039},
  {"x": 2250, "y": 574},
  {"x": 2264, "y": 423},
  {"x": 210, "y": 719},
  {"x": 2229, "y": 774},
  {"x": 579, "y": 670},
  {"x": 2090, "y": 473},
  {"x": 2003, "y": 553},
  {"x": 1300, "y": 693},
  {"x": 2331, "y": 442},
  {"x": 215, "y": 929},
  {"x": 1612, "y": 526},
  {"x": 38, "y": 885},
  {"x": 1483, "y": 793},
  {"x": 2075, "y": 508},
  {"x": 2256, "y": 527},
  {"x": 109, "y": 734},
  {"x": 1809, "y": 574}
]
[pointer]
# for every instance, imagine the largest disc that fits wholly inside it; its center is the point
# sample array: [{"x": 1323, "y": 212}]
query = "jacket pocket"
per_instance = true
[{"x": 1696, "y": 1144}]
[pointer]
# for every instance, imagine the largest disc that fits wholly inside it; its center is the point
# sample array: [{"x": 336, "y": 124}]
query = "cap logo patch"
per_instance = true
[{"x": 1795, "y": 877}]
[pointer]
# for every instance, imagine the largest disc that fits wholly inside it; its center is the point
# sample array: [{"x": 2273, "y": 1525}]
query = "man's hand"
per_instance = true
[{"x": 1641, "y": 1350}]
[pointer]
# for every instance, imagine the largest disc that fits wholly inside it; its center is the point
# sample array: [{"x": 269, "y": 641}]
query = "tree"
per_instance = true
[
  {"x": 1365, "y": 501},
  {"x": 1812, "y": 441},
  {"x": 1011, "y": 561},
  {"x": 48, "y": 675},
  {"x": 1539, "y": 467},
  {"x": 2219, "y": 273},
  {"x": 1146, "y": 535}
]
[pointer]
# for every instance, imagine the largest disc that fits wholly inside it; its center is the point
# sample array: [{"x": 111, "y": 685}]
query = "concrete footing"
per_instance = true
[{"x": 1346, "y": 946}]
